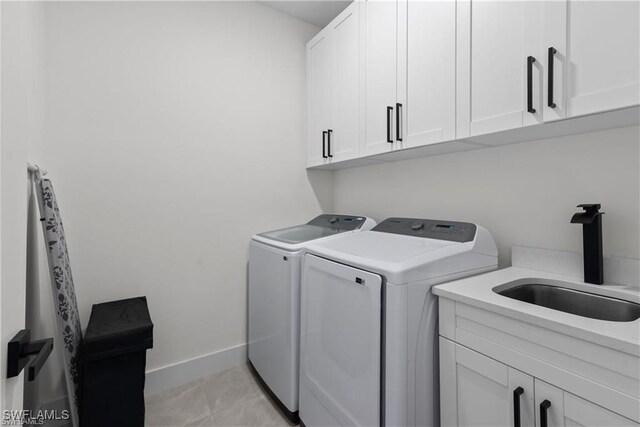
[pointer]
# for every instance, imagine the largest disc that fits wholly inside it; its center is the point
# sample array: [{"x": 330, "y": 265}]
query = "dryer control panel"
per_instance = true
[
  {"x": 341, "y": 222},
  {"x": 429, "y": 228}
]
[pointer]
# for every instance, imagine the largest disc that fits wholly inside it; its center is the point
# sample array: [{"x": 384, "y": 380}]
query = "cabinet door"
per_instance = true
[
  {"x": 561, "y": 409},
  {"x": 479, "y": 391},
  {"x": 549, "y": 404},
  {"x": 579, "y": 412},
  {"x": 319, "y": 75},
  {"x": 429, "y": 97},
  {"x": 596, "y": 63},
  {"x": 380, "y": 75},
  {"x": 495, "y": 40},
  {"x": 345, "y": 124}
]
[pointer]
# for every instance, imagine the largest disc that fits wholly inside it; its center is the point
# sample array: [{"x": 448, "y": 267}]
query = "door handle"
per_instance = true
[
  {"x": 543, "y": 412},
  {"x": 329, "y": 131},
  {"x": 399, "y": 122},
  {"x": 389, "y": 118},
  {"x": 530, "y": 61},
  {"x": 516, "y": 406},
  {"x": 19, "y": 350},
  {"x": 324, "y": 143},
  {"x": 550, "y": 60}
]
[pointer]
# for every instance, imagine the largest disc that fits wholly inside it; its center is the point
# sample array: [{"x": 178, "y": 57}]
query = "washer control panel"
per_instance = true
[
  {"x": 341, "y": 222},
  {"x": 429, "y": 228}
]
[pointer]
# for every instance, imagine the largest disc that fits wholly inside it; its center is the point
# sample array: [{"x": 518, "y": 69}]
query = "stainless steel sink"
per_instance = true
[{"x": 572, "y": 301}]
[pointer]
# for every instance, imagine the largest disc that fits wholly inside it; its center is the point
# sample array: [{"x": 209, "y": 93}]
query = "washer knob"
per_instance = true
[
  {"x": 333, "y": 219},
  {"x": 417, "y": 227}
]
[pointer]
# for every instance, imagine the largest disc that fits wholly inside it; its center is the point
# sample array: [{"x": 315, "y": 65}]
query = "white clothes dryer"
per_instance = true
[{"x": 369, "y": 339}]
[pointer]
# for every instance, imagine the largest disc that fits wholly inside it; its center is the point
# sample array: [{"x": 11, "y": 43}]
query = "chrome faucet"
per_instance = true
[{"x": 591, "y": 220}]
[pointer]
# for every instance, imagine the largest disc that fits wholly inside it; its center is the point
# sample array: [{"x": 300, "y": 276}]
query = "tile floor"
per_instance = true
[{"x": 229, "y": 398}]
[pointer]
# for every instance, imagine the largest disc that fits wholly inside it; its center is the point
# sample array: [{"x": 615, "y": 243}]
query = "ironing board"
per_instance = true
[{"x": 64, "y": 296}]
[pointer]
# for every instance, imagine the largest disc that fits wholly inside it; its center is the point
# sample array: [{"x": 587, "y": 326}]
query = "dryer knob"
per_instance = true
[
  {"x": 333, "y": 219},
  {"x": 417, "y": 227}
]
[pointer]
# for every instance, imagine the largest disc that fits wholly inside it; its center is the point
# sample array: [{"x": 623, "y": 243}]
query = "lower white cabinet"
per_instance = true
[
  {"x": 476, "y": 390},
  {"x": 555, "y": 407}
]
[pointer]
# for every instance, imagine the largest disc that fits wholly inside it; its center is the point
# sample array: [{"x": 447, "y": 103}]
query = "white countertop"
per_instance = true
[{"x": 477, "y": 291}]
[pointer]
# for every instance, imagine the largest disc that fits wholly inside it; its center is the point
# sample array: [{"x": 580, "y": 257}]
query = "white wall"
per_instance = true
[
  {"x": 40, "y": 312},
  {"x": 175, "y": 131},
  {"x": 22, "y": 69},
  {"x": 525, "y": 194}
]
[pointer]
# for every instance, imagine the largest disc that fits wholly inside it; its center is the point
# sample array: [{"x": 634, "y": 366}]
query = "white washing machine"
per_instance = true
[
  {"x": 274, "y": 300},
  {"x": 369, "y": 339}
]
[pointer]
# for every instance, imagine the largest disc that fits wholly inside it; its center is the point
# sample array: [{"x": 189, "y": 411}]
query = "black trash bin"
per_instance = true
[{"x": 113, "y": 356}]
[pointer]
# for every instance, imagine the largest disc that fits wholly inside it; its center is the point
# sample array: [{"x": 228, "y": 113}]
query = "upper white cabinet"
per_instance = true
[
  {"x": 591, "y": 51},
  {"x": 409, "y": 74},
  {"x": 333, "y": 104},
  {"x": 345, "y": 130},
  {"x": 499, "y": 73},
  {"x": 319, "y": 86},
  {"x": 436, "y": 76},
  {"x": 380, "y": 74},
  {"x": 427, "y": 66}
]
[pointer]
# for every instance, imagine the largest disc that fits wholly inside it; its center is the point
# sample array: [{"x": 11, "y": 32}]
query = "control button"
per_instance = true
[
  {"x": 418, "y": 226},
  {"x": 333, "y": 219}
]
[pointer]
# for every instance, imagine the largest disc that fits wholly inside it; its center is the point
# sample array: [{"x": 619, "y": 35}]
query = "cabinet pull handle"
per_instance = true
[
  {"x": 389, "y": 118},
  {"x": 324, "y": 137},
  {"x": 543, "y": 412},
  {"x": 530, "y": 61},
  {"x": 329, "y": 131},
  {"x": 398, "y": 122},
  {"x": 552, "y": 52},
  {"x": 516, "y": 406}
]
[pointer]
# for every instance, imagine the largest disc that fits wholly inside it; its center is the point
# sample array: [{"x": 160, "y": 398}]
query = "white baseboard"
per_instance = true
[{"x": 180, "y": 373}]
